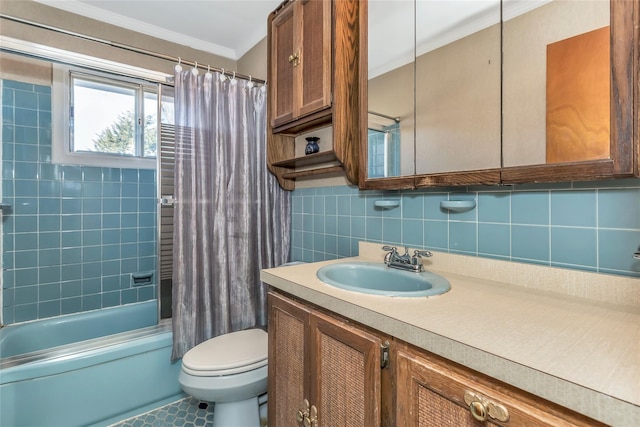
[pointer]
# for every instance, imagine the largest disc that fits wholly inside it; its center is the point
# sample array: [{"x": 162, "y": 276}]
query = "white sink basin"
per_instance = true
[{"x": 378, "y": 279}]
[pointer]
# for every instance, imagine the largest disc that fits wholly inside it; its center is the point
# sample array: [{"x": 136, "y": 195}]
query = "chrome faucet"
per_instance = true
[{"x": 405, "y": 262}]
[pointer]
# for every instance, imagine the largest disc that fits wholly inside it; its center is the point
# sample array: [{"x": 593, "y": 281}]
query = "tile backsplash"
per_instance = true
[
  {"x": 593, "y": 226},
  {"x": 74, "y": 234}
]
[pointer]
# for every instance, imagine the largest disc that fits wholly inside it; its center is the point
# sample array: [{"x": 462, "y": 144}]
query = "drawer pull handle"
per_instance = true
[
  {"x": 478, "y": 410},
  {"x": 483, "y": 408}
]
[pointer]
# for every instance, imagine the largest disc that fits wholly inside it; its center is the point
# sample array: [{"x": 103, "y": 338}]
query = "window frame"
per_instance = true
[{"x": 61, "y": 147}]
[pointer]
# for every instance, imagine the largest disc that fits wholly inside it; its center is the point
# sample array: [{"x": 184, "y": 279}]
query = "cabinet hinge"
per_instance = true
[{"x": 384, "y": 355}]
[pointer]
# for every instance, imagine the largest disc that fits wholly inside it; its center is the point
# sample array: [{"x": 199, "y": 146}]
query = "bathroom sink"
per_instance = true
[{"x": 378, "y": 279}]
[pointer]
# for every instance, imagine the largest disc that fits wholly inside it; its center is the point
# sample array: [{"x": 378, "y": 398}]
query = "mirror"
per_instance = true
[
  {"x": 556, "y": 81},
  {"x": 390, "y": 142},
  {"x": 457, "y": 86}
]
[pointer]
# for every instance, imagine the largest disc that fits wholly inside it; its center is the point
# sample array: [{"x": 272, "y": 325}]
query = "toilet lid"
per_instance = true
[{"x": 228, "y": 354}]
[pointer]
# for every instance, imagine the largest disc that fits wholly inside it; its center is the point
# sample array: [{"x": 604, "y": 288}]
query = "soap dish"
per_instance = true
[
  {"x": 387, "y": 204},
  {"x": 458, "y": 205}
]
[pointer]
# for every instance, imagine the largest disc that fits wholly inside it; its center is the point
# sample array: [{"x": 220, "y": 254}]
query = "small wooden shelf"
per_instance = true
[
  {"x": 308, "y": 160},
  {"x": 312, "y": 172}
]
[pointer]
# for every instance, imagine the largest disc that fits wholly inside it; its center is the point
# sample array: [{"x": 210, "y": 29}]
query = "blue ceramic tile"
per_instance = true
[
  {"x": 71, "y": 256},
  {"x": 71, "y": 222},
  {"x": 392, "y": 230},
  {"x": 44, "y": 119},
  {"x": 147, "y": 205},
  {"x": 48, "y": 309},
  {"x": 24, "y": 224},
  {"x": 330, "y": 207},
  {"x": 25, "y": 153},
  {"x": 42, "y": 89},
  {"x": 573, "y": 208},
  {"x": 129, "y": 296},
  {"x": 8, "y": 133},
  {"x": 91, "y": 221},
  {"x": 370, "y": 209},
  {"x": 147, "y": 219},
  {"x": 318, "y": 205},
  {"x": 412, "y": 232},
  {"x": 91, "y": 302},
  {"x": 44, "y": 137},
  {"x": 26, "y": 259},
  {"x": 148, "y": 234},
  {"x": 91, "y": 205},
  {"x": 26, "y": 277},
  {"x": 129, "y": 189},
  {"x": 432, "y": 208},
  {"x": 25, "y": 241},
  {"x": 71, "y": 305},
  {"x": 8, "y": 97},
  {"x": 307, "y": 222},
  {"x": 8, "y": 170},
  {"x": 72, "y": 173},
  {"x": 49, "y": 292},
  {"x": 317, "y": 223},
  {"x": 296, "y": 239},
  {"x": 147, "y": 190},
  {"x": 146, "y": 176},
  {"x": 90, "y": 173},
  {"x": 26, "y": 295},
  {"x": 49, "y": 257},
  {"x": 344, "y": 246},
  {"x": 91, "y": 253},
  {"x": 530, "y": 208},
  {"x": 530, "y": 242},
  {"x": 71, "y": 239},
  {"x": 49, "y": 206},
  {"x": 463, "y": 237},
  {"x": 574, "y": 246},
  {"x": 49, "y": 171},
  {"x": 50, "y": 274},
  {"x": 296, "y": 204},
  {"x": 26, "y": 312},
  {"x": 494, "y": 239},
  {"x": 92, "y": 237},
  {"x": 146, "y": 249},
  {"x": 374, "y": 228},
  {"x": 413, "y": 206},
  {"x": 49, "y": 188},
  {"x": 130, "y": 250},
  {"x": 344, "y": 225},
  {"x": 49, "y": 222},
  {"x": 146, "y": 293},
  {"x": 71, "y": 206},
  {"x": 49, "y": 240},
  {"x": 344, "y": 205},
  {"x": 616, "y": 248},
  {"x": 469, "y": 215},
  {"x": 44, "y": 154},
  {"x": 296, "y": 222},
  {"x": 331, "y": 244},
  {"x": 25, "y": 188},
  {"x": 318, "y": 242},
  {"x": 619, "y": 208},
  {"x": 25, "y": 206},
  {"x": 358, "y": 227},
  {"x": 129, "y": 205},
  {"x": 110, "y": 205},
  {"x": 25, "y": 117},
  {"x": 436, "y": 234},
  {"x": 91, "y": 270},
  {"x": 110, "y": 252},
  {"x": 111, "y": 283},
  {"x": 71, "y": 289},
  {"x": 129, "y": 265},
  {"x": 111, "y": 174},
  {"x": 44, "y": 102},
  {"x": 12, "y": 84},
  {"x": 8, "y": 151},
  {"x": 91, "y": 189},
  {"x": 358, "y": 205},
  {"x": 110, "y": 299},
  {"x": 26, "y": 99},
  {"x": 494, "y": 207},
  {"x": 71, "y": 272},
  {"x": 110, "y": 221},
  {"x": 71, "y": 189},
  {"x": 25, "y": 134}
]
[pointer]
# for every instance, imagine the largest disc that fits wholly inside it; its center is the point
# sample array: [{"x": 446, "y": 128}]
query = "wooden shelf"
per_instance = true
[
  {"x": 308, "y": 160},
  {"x": 312, "y": 172}
]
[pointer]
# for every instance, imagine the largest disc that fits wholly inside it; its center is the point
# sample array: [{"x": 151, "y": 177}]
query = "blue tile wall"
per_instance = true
[
  {"x": 75, "y": 233},
  {"x": 592, "y": 226}
]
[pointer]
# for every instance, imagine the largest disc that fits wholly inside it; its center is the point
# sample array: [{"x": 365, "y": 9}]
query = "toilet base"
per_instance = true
[{"x": 244, "y": 413}]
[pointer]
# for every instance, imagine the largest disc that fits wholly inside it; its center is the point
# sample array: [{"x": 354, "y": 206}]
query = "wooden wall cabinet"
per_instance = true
[
  {"x": 317, "y": 74},
  {"x": 323, "y": 372},
  {"x": 336, "y": 366}
]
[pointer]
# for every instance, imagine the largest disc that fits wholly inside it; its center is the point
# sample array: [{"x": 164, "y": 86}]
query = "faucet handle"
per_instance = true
[
  {"x": 422, "y": 253},
  {"x": 390, "y": 248}
]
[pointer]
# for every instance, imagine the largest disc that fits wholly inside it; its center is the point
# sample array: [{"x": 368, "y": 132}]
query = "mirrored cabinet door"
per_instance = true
[
  {"x": 390, "y": 137},
  {"x": 457, "y": 86}
]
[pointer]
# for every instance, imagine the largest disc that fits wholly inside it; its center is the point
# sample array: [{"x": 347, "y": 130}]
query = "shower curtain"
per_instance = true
[{"x": 231, "y": 217}]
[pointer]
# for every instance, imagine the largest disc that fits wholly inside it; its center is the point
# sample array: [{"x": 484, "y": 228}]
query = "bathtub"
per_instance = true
[{"x": 87, "y": 369}]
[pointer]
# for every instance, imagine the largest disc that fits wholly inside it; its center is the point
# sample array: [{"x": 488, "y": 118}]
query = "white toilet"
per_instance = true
[{"x": 231, "y": 371}]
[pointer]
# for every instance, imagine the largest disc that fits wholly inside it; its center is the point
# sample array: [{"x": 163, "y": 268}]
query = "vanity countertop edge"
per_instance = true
[{"x": 581, "y": 354}]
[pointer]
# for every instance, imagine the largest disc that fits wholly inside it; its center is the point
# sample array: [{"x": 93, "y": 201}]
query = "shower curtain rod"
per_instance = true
[
  {"x": 129, "y": 48},
  {"x": 395, "y": 119}
]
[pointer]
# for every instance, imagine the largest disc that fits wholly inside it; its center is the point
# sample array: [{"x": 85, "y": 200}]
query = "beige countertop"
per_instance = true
[{"x": 582, "y": 352}]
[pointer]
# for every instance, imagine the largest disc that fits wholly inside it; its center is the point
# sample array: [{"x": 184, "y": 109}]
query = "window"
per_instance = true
[{"x": 104, "y": 119}]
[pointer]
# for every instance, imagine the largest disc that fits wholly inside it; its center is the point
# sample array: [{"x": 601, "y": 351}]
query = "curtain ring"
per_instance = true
[
  {"x": 178, "y": 68},
  {"x": 250, "y": 84},
  {"x": 222, "y": 76},
  {"x": 208, "y": 74},
  {"x": 194, "y": 71}
]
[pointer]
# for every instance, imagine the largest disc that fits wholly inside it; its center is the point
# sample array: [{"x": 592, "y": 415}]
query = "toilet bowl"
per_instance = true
[{"x": 231, "y": 371}]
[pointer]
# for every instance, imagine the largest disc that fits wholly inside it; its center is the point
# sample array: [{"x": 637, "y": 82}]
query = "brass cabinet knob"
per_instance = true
[
  {"x": 483, "y": 408},
  {"x": 478, "y": 410},
  {"x": 302, "y": 416},
  {"x": 313, "y": 416},
  {"x": 294, "y": 58}
]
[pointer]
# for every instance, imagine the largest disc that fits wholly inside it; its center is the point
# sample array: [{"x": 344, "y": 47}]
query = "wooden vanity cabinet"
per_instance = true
[
  {"x": 325, "y": 361},
  {"x": 434, "y": 392},
  {"x": 317, "y": 75}
]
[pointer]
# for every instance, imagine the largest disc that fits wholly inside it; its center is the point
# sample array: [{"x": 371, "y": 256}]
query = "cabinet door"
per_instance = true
[
  {"x": 312, "y": 82},
  {"x": 345, "y": 379},
  {"x": 432, "y": 393},
  {"x": 282, "y": 68},
  {"x": 288, "y": 370}
]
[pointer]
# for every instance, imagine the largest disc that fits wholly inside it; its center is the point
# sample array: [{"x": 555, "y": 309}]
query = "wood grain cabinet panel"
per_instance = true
[
  {"x": 317, "y": 58},
  {"x": 331, "y": 364}
]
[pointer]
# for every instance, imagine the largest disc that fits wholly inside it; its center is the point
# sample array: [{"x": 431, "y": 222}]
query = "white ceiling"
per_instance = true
[{"x": 222, "y": 27}]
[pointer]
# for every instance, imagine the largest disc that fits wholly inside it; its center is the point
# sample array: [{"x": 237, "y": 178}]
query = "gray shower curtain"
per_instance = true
[{"x": 231, "y": 217}]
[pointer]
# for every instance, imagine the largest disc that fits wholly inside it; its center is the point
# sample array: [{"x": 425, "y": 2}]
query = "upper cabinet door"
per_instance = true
[
  {"x": 568, "y": 95},
  {"x": 301, "y": 60},
  {"x": 282, "y": 66},
  {"x": 313, "y": 77}
]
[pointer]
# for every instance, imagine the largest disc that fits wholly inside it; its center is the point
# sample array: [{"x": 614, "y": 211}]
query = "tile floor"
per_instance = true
[{"x": 187, "y": 412}]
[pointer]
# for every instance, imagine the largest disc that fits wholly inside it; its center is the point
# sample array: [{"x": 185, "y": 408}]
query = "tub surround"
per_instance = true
[{"x": 570, "y": 337}]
